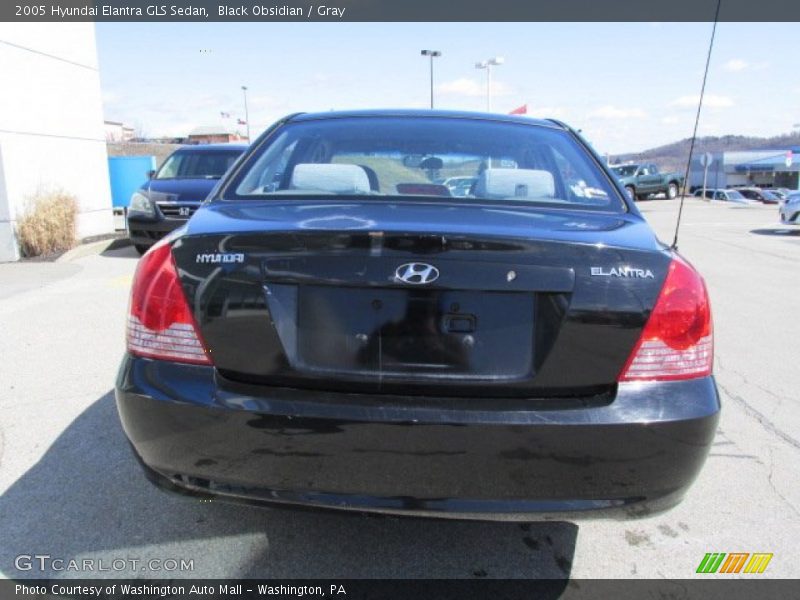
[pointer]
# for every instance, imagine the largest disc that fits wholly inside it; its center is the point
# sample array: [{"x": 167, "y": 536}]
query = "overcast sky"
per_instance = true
[{"x": 628, "y": 86}]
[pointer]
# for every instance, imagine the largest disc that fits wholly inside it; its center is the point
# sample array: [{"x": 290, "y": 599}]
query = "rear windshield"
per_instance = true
[
  {"x": 431, "y": 157},
  {"x": 198, "y": 164}
]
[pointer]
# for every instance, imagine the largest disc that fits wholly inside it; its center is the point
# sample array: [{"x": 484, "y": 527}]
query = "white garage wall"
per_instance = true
[{"x": 51, "y": 125}]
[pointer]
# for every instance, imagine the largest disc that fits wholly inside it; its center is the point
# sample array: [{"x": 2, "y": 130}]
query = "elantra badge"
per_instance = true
[
  {"x": 628, "y": 272},
  {"x": 416, "y": 273}
]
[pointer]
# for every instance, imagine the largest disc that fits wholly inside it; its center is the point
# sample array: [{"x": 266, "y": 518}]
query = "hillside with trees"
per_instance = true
[{"x": 672, "y": 157}]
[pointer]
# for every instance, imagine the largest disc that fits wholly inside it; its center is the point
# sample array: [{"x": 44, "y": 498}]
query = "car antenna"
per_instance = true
[{"x": 696, "y": 123}]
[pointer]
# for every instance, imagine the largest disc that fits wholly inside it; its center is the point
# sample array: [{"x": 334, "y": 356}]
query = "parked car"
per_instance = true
[
  {"x": 789, "y": 210},
  {"x": 780, "y": 192},
  {"x": 318, "y": 335},
  {"x": 723, "y": 195},
  {"x": 176, "y": 190},
  {"x": 643, "y": 180},
  {"x": 763, "y": 196},
  {"x": 459, "y": 186}
]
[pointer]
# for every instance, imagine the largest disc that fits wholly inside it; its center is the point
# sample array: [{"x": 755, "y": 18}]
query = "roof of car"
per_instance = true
[
  {"x": 212, "y": 147},
  {"x": 427, "y": 113}
]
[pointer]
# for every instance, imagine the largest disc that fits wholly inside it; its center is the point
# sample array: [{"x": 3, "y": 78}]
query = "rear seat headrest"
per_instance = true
[
  {"x": 333, "y": 178},
  {"x": 515, "y": 183}
]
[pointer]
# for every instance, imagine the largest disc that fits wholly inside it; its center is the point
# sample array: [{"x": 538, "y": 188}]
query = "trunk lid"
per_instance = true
[{"x": 319, "y": 295}]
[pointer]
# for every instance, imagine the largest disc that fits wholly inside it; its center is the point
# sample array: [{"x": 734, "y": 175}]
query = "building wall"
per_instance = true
[
  {"x": 51, "y": 125},
  {"x": 221, "y": 138},
  {"x": 716, "y": 172},
  {"x": 118, "y": 132},
  {"x": 113, "y": 131},
  {"x": 723, "y": 172}
]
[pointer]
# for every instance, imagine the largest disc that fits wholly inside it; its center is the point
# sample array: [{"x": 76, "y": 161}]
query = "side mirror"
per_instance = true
[{"x": 151, "y": 173}]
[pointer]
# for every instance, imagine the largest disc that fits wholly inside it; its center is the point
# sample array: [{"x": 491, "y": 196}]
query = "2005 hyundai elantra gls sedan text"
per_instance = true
[{"x": 333, "y": 328}]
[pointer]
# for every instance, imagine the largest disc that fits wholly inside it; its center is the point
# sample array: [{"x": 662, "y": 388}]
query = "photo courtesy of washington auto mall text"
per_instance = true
[{"x": 177, "y": 590}]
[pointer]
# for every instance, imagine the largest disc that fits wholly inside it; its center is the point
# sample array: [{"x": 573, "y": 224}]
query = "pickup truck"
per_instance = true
[{"x": 643, "y": 180}]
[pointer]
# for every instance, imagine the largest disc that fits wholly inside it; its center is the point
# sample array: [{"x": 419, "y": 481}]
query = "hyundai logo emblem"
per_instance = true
[{"x": 416, "y": 273}]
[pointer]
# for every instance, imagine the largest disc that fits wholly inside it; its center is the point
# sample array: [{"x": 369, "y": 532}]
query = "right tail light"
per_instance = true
[{"x": 678, "y": 341}]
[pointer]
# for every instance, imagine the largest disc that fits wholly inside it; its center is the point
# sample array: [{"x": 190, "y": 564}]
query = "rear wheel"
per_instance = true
[
  {"x": 141, "y": 248},
  {"x": 631, "y": 191},
  {"x": 672, "y": 191}
]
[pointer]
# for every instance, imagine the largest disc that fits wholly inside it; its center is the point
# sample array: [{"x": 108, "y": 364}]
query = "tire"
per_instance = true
[
  {"x": 631, "y": 191},
  {"x": 141, "y": 248},
  {"x": 672, "y": 191}
]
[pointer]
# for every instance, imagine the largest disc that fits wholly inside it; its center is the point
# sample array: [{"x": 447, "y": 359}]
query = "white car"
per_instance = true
[
  {"x": 790, "y": 210},
  {"x": 726, "y": 195}
]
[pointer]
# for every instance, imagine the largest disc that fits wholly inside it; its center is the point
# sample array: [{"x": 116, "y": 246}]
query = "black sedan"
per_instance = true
[{"x": 333, "y": 328}]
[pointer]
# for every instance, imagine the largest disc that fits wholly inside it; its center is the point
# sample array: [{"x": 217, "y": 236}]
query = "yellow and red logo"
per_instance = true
[{"x": 734, "y": 562}]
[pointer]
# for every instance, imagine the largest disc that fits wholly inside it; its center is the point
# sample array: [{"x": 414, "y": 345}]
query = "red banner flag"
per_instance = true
[{"x": 520, "y": 110}]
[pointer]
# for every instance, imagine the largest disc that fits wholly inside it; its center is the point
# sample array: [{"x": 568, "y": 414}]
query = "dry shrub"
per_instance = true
[{"x": 49, "y": 225}]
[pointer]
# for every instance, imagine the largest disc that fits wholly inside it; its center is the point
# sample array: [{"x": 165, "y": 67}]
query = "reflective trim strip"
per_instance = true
[
  {"x": 656, "y": 358},
  {"x": 178, "y": 341}
]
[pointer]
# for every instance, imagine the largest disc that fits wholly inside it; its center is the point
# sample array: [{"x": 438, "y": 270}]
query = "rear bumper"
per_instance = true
[{"x": 635, "y": 455}]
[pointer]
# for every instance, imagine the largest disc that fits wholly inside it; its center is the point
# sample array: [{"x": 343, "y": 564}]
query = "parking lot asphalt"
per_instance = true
[{"x": 71, "y": 488}]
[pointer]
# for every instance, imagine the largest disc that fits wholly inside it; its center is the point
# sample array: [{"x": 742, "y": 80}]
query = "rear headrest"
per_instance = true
[
  {"x": 333, "y": 178},
  {"x": 515, "y": 183}
]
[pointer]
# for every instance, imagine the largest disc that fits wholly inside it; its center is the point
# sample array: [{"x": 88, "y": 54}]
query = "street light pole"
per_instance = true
[
  {"x": 246, "y": 114},
  {"x": 488, "y": 64},
  {"x": 431, "y": 54}
]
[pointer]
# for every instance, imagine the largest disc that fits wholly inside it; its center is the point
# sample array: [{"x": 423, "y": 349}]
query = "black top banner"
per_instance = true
[{"x": 399, "y": 10}]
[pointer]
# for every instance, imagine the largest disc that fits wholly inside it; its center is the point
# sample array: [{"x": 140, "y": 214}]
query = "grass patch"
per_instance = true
[{"x": 48, "y": 227}]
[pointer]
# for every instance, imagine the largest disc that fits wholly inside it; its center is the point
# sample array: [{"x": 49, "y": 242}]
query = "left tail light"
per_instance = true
[{"x": 160, "y": 323}]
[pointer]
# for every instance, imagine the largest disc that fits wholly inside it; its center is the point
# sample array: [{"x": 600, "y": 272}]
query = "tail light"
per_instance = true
[
  {"x": 160, "y": 323},
  {"x": 677, "y": 342}
]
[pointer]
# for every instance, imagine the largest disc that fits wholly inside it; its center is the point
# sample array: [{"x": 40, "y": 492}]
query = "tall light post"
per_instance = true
[
  {"x": 431, "y": 54},
  {"x": 488, "y": 64},
  {"x": 246, "y": 114}
]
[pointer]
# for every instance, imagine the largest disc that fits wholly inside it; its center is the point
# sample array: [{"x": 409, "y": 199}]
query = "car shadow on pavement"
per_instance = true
[
  {"x": 777, "y": 231},
  {"x": 121, "y": 249},
  {"x": 87, "y": 498}
]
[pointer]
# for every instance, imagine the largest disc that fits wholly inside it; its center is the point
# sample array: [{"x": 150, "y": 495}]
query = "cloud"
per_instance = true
[
  {"x": 613, "y": 112},
  {"x": 471, "y": 87},
  {"x": 551, "y": 112},
  {"x": 709, "y": 101},
  {"x": 735, "y": 64},
  {"x": 669, "y": 120}
]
